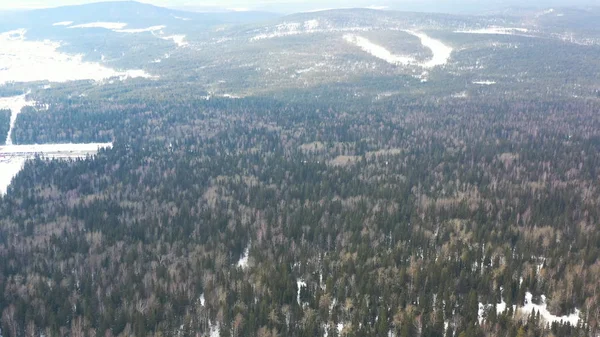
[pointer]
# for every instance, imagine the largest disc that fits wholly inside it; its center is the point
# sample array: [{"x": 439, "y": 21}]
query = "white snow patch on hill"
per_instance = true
[
  {"x": 13, "y": 157},
  {"x": 23, "y": 60},
  {"x": 378, "y": 51},
  {"x": 495, "y": 31},
  {"x": 311, "y": 24},
  {"x": 63, "y": 23},
  {"x": 484, "y": 82},
  {"x": 140, "y": 30},
  {"x": 529, "y": 306},
  {"x": 105, "y": 25},
  {"x": 14, "y": 104},
  {"x": 441, "y": 52},
  {"x": 179, "y": 40},
  {"x": 308, "y": 27},
  {"x": 300, "y": 283},
  {"x": 243, "y": 262},
  {"x": 9, "y": 168}
]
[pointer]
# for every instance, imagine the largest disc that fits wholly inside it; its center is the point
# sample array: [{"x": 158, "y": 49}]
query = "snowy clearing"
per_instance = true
[
  {"x": 529, "y": 307},
  {"x": 29, "y": 61},
  {"x": 243, "y": 262},
  {"x": 63, "y": 23},
  {"x": 441, "y": 52},
  {"x": 14, "y": 104},
  {"x": 105, "y": 25},
  {"x": 8, "y": 170},
  {"x": 484, "y": 82},
  {"x": 307, "y": 27},
  {"x": 179, "y": 40},
  {"x": 13, "y": 157},
  {"x": 495, "y": 31},
  {"x": 140, "y": 30},
  {"x": 378, "y": 51},
  {"x": 299, "y": 283}
]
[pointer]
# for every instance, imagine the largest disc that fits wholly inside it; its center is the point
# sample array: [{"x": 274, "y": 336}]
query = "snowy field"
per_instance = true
[
  {"x": 441, "y": 52},
  {"x": 23, "y": 60},
  {"x": 13, "y": 157},
  {"x": 495, "y": 31}
]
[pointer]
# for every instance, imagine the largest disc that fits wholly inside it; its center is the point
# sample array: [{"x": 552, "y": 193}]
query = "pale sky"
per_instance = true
[{"x": 305, "y": 5}]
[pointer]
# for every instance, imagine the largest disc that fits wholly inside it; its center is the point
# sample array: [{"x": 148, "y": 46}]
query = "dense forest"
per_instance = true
[
  {"x": 261, "y": 217},
  {"x": 4, "y": 124}
]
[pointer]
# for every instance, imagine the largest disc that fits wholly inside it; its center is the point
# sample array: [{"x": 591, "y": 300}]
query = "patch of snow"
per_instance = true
[
  {"x": 441, "y": 52},
  {"x": 202, "y": 299},
  {"x": 63, "y": 23},
  {"x": 105, "y": 25},
  {"x": 299, "y": 283},
  {"x": 495, "y": 31},
  {"x": 181, "y": 18},
  {"x": 311, "y": 24},
  {"x": 378, "y": 51},
  {"x": 29, "y": 61},
  {"x": 140, "y": 30},
  {"x": 9, "y": 168},
  {"x": 484, "y": 82},
  {"x": 340, "y": 328},
  {"x": 13, "y": 157},
  {"x": 243, "y": 262},
  {"x": 308, "y": 27},
  {"x": 231, "y": 96},
  {"x": 529, "y": 306},
  {"x": 215, "y": 330},
  {"x": 14, "y": 104},
  {"x": 179, "y": 40}
]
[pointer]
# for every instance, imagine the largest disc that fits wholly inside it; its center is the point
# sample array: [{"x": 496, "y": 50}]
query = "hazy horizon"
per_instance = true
[{"x": 288, "y": 6}]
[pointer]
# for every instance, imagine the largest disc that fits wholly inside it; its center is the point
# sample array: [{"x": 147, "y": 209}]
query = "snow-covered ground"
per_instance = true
[
  {"x": 441, "y": 52},
  {"x": 378, "y": 51},
  {"x": 179, "y": 40},
  {"x": 299, "y": 283},
  {"x": 9, "y": 168},
  {"x": 13, "y": 157},
  {"x": 63, "y": 23},
  {"x": 307, "y": 27},
  {"x": 484, "y": 82},
  {"x": 105, "y": 25},
  {"x": 529, "y": 307},
  {"x": 140, "y": 30},
  {"x": 495, "y": 31},
  {"x": 23, "y": 60},
  {"x": 14, "y": 104},
  {"x": 243, "y": 262}
]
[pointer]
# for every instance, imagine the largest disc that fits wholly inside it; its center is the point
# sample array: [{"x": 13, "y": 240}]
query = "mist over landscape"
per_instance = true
[{"x": 264, "y": 168}]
